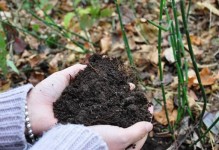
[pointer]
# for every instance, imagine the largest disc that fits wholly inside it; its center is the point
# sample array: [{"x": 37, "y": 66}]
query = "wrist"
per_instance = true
[{"x": 40, "y": 113}]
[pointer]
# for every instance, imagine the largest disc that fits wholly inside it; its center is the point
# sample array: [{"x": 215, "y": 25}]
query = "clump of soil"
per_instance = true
[{"x": 101, "y": 94}]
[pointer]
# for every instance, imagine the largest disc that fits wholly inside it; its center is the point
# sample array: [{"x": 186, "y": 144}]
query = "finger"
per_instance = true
[
  {"x": 151, "y": 109},
  {"x": 72, "y": 71},
  {"x": 139, "y": 144},
  {"x": 132, "y": 86},
  {"x": 137, "y": 132}
]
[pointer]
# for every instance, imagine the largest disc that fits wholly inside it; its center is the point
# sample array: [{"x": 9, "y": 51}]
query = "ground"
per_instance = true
[{"x": 40, "y": 38}]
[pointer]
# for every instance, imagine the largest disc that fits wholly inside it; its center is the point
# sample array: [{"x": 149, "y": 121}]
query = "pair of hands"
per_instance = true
[{"x": 40, "y": 106}]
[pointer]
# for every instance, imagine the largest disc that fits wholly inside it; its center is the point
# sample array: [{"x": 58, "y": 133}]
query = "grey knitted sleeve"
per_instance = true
[
  {"x": 12, "y": 118},
  {"x": 70, "y": 137},
  {"x": 60, "y": 137}
]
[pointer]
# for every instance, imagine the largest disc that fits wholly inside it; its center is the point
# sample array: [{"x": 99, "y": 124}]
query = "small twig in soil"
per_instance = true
[
  {"x": 163, "y": 134},
  {"x": 207, "y": 65}
]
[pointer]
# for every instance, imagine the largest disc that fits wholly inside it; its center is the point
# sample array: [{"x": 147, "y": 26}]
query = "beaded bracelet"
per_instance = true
[{"x": 28, "y": 125}]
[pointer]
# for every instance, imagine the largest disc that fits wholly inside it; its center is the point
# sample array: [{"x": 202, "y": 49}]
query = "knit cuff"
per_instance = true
[
  {"x": 12, "y": 118},
  {"x": 70, "y": 137}
]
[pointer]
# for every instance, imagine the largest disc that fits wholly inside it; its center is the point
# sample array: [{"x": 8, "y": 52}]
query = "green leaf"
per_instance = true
[
  {"x": 35, "y": 27},
  {"x": 52, "y": 41},
  {"x": 43, "y": 3},
  {"x": 84, "y": 11},
  {"x": 48, "y": 7},
  {"x": 12, "y": 66},
  {"x": 48, "y": 20},
  {"x": 106, "y": 12},
  {"x": 3, "y": 54},
  {"x": 94, "y": 11},
  {"x": 86, "y": 21},
  {"x": 67, "y": 19},
  {"x": 76, "y": 2}
]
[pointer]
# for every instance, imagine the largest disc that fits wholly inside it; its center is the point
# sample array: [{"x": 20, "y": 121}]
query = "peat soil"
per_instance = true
[{"x": 100, "y": 94}]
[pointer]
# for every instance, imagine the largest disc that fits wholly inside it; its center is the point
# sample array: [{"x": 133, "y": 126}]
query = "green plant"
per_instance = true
[
  {"x": 3, "y": 53},
  {"x": 5, "y": 62},
  {"x": 127, "y": 48}
]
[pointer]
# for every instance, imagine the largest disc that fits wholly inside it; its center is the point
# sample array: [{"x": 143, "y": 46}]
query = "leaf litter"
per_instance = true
[{"x": 36, "y": 59}]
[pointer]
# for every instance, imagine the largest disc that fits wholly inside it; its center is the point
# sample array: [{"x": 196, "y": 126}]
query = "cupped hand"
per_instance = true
[
  {"x": 131, "y": 138},
  {"x": 41, "y": 98},
  {"x": 40, "y": 107}
]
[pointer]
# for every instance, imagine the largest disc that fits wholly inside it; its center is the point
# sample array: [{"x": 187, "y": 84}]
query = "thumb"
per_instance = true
[{"x": 137, "y": 131}]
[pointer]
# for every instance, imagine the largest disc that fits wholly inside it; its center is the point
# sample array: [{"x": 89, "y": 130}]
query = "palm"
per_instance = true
[
  {"x": 42, "y": 96},
  {"x": 40, "y": 107}
]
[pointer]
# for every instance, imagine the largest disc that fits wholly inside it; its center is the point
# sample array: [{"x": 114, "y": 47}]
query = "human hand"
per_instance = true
[
  {"x": 41, "y": 98},
  {"x": 118, "y": 138}
]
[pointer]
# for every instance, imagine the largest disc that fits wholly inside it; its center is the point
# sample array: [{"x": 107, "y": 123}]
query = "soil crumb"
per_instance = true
[{"x": 100, "y": 94}]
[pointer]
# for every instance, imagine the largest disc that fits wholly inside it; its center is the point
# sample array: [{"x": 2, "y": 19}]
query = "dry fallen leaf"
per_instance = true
[
  {"x": 105, "y": 44},
  {"x": 71, "y": 58},
  {"x": 19, "y": 45},
  {"x": 34, "y": 60},
  {"x": 33, "y": 42},
  {"x": 174, "y": 84},
  {"x": 3, "y": 6},
  {"x": 54, "y": 62},
  {"x": 207, "y": 77},
  {"x": 209, "y": 6},
  {"x": 5, "y": 85},
  {"x": 168, "y": 54},
  {"x": 127, "y": 15},
  {"x": 148, "y": 31},
  {"x": 195, "y": 40},
  {"x": 172, "y": 114},
  {"x": 192, "y": 94},
  {"x": 191, "y": 101},
  {"x": 196, "y": 50},
  {"x": 36, "y": 77},
  {"x": 153, "y": 55}
]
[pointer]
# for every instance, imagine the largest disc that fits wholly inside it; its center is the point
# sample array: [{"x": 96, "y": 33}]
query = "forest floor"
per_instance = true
[{"x": 48, "y": 36}]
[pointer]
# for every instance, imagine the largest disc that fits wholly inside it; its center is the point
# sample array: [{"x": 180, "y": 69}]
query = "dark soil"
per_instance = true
[{"x": 101, "y": 95}]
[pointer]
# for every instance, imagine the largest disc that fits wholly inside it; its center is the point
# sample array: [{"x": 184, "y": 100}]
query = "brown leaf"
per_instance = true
[
  {"x": 33, "y": 42},
  {"x": 34, "y": 60},
  {"x": 5, "y": 85},
  {"x": 3, "y": 6},
  {"x": 105, "y": 44},
  {"x": 191, "y": 101},
  {"x": 54, "y": 62},
  {"x": 206, "y": 77},
  {"x": 149, "y": 31},
  {"x": 192, "y": 94},
  {"x": 195, "y": 40},
  {"x": 153, "y": 55},
  {"x": 36, "y": 77},
  {"x": 209, "y": 6},
  {"x": 172, "y": 114},
  {"x": 127, "y": 15},
  {"x": 11, "y": 32},
  {"x": 19, "y": 45}
]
